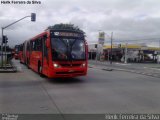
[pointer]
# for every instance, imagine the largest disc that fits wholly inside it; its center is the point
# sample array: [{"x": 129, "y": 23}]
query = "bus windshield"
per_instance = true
[{"x": 68, "y": 49}]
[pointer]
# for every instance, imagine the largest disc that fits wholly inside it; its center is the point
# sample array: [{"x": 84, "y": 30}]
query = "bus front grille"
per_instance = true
[
  {"x": 73, "y": 72},
  {"x": 70, "y": 65}
]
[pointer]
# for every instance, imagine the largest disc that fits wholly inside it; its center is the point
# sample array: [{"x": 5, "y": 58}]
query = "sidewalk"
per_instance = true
[
  {"x": 139, "y": 68},
  {"x": 8, "y": 68}
]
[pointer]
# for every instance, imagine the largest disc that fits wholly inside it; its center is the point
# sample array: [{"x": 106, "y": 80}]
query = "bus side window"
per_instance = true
[
  {"x": 34, "y": 46},
  {"x": 39, "y": 44},
  {"x": 28, "y": 48},
  {"x": 45, "y": 51}
]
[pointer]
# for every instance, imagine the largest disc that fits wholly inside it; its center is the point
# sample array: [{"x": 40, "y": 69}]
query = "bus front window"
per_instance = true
[
  {"x": 68, "y": 49},
  {"x": 78, "y": 50},
  {"x": 59, "y": 49}
]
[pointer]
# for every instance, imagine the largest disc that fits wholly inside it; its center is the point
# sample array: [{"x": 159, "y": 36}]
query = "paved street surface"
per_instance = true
[{"x": 99, "y": 92}]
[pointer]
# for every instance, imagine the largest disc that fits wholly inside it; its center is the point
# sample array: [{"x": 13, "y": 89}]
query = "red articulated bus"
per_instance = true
[{"x": 60, "y": 51}]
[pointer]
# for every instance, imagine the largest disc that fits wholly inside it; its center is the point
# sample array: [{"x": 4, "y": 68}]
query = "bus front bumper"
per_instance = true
[{"x": 67, "y": 72}]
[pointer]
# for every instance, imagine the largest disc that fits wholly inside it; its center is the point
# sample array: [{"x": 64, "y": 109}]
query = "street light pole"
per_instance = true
[
  {"x": 33, "y": 18},
  {"x": 15, "y": 22},
  {"x": 5, "y": 43}
]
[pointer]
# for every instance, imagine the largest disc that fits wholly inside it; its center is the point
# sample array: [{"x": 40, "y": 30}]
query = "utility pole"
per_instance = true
[{"x": 111, "y": 47}]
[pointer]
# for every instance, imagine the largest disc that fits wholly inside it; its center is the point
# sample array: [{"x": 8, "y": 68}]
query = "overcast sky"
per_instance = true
[{"x": 127, "y": 19}]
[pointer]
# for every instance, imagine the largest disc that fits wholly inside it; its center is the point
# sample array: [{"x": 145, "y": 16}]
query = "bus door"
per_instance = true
[
  {"x": 28, "y": 54},
  {"x": 45, "y": 60}
]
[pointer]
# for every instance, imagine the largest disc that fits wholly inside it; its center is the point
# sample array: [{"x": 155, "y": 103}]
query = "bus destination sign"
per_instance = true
[{"x": 67, "y": 34}]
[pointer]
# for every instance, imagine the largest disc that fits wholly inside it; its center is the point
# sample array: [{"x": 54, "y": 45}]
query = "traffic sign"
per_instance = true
[{"x": 101, "y": 38}]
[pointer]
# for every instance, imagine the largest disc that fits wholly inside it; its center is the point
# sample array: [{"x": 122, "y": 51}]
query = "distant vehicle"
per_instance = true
[
  {"x": 60, "y": 51},
  {"x": 16, "y": 51}
]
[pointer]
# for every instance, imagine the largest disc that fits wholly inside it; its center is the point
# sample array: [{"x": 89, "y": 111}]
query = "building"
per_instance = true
[{"x": 128, "y": 52}]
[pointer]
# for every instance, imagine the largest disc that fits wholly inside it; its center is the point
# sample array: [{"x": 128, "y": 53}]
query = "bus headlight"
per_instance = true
[
  {"x": 56, "y": 65},
  {"x": 83, "y": 65}
]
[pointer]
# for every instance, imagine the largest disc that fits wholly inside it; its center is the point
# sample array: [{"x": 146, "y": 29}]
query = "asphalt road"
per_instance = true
[
  {"x": 149, "y": 69},
  {"x": 100, "y": 91}
]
